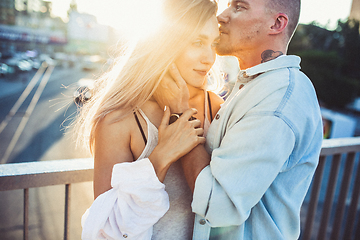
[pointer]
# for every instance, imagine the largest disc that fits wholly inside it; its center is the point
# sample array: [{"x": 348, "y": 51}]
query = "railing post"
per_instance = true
[
  {"x": 67, "y": 211},
  {"x": 329, "y": 197},
  {"x": 26, "y": 214},
  {"x": 350, "y": 222},
  {"x": 314, "y": 197},
  {"x": 345, "y": 184}
]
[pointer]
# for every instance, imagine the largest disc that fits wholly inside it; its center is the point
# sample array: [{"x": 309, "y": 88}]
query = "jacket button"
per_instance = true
[
  {"x": 125, "y": 235},
  {"x": 202, "y": 221},
  {"x": 217, "y": 116}
]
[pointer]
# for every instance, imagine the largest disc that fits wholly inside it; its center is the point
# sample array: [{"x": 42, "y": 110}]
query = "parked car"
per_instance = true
[
  {"x": 4, "y": 69},
  {"x": 24, "y": 65},
  {"x": 91, "y": 62},
  {"x": 35, "y": 63},
  {"x": 337, "y": 125},
  {"x": 19, "y": 64},
  {"x": 84, "y": 91}
]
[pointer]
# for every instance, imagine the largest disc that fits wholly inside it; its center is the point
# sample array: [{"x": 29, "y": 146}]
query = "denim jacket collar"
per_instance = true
[{"x": 284, "y": 61}]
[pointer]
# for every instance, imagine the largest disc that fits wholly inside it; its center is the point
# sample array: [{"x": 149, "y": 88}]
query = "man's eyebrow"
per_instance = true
[{"x": 238, "y": 1}]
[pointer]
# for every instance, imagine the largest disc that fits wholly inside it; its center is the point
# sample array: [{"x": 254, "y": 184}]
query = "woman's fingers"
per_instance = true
[
  {"x": 188, "y": 113},
  {"x": 199, "y": 132},
  {"x": 201, "y": 140},
  {"x": 165, "y": 119},
  {"x": 181, "y": 136},
  {"x": 174, "y": 72},
  {"x": 196, "y": 123}
]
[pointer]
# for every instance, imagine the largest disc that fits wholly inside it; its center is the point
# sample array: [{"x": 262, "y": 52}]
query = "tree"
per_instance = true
[{"x": 331, "y": 59}]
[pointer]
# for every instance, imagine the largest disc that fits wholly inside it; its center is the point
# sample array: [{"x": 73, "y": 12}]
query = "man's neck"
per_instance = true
[{"x": 250, "y": 60}]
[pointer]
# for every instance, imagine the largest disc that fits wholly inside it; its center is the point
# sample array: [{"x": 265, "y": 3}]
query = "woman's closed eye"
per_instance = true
[{"x": 198, "y": 43}]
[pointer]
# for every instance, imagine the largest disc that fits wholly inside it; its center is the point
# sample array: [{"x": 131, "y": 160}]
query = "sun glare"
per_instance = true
[{"x": 137, "y": 19}]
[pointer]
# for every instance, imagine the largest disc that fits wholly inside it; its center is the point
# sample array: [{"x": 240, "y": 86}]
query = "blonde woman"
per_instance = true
[{"x": 129, "y": 132}]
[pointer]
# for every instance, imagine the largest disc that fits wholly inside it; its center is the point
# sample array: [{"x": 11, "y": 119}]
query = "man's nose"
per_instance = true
[{"x": 223, "y": 17}]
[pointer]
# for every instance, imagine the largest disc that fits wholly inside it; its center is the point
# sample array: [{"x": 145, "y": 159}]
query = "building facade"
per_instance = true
[
  {"x": 355, "y": 10},
  {"x": 28, "y": 25}
]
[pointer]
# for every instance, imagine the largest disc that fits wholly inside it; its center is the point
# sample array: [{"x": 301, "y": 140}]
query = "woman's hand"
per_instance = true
[
  {"x": 175, "y": 141},
  {"x": 173, "y": 92}
]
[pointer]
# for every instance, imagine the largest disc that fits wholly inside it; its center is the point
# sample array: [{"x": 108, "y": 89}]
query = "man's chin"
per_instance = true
[{"x": 223, "y": 51}]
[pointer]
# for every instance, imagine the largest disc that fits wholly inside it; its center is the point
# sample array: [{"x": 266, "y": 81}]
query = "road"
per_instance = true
[{"x": 43, "y": 138}]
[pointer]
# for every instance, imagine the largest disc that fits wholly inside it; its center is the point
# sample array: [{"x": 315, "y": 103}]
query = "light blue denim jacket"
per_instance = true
[{"x": 264, "y": 143}]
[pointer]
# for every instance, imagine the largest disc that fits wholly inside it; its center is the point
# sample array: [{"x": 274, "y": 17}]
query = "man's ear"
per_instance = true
[{"x": 280, "y": 24}]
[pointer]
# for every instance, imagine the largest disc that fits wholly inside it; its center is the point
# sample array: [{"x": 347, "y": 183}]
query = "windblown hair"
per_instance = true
[
  {"x": 291, "y": 8},
  {"x": 137, "y": 73}
]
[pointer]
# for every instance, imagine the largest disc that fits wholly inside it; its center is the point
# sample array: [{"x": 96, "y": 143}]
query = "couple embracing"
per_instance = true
[{"x": 173, "y": 161}]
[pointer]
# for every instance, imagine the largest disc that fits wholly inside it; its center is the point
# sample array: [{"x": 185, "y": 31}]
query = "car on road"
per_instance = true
[
  {"x": 90, "y": 63},
  {"x": 4, "y": 69},
  {"x": 84, "y": 91}
]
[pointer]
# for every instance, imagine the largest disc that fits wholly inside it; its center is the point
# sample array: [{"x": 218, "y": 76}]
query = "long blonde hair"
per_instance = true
[{"x": 137, "y": 73}]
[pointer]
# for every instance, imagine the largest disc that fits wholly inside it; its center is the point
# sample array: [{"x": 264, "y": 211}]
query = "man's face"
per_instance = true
[{"x": 242, "y": 26}]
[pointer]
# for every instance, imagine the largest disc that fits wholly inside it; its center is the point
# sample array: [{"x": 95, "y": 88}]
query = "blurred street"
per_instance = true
[{"x": 43, "y": 138}]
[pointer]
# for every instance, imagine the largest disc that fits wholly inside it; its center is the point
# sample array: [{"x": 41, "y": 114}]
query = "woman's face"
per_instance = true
[{"x": 197, "y": 59}]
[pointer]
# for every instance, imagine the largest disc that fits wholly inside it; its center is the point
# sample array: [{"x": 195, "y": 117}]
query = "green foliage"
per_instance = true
[
  {"x": 333, "y": 89},
  {"x": 331, "y": 59}
]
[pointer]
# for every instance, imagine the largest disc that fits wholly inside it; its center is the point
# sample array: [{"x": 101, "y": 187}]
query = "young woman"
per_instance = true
[{"x": 127, "y": 130}]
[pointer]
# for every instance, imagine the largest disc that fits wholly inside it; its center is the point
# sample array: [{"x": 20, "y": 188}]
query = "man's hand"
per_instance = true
[
  {"x": 175, "y": 141},
  {"x": 172, "y": 91}
]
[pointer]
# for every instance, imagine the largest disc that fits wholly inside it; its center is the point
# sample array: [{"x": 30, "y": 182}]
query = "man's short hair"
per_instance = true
[{"x": 291, "y": 8}]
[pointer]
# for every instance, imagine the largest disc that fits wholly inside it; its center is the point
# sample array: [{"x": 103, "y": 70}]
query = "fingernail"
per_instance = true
[{"x": 164, "y": 108}]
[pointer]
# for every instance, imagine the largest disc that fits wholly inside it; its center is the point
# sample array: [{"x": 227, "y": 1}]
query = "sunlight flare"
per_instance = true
[{"x": 137, "y": 19}]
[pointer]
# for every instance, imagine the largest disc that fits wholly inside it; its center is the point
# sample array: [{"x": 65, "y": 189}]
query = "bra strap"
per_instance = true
[
  {"x": 141, "y": 129},
  {"x": 210, "y": 110}
]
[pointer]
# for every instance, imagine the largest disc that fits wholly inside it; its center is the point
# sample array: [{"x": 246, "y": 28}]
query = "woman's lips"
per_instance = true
[{"x": 201, "y": 72}]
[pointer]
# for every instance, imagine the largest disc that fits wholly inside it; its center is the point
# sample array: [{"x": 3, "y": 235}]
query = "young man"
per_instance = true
[{"x": 262, "y": 148}]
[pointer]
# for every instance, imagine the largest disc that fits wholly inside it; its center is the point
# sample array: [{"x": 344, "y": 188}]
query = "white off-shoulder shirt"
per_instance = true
[{"x": 139, "y": 206}]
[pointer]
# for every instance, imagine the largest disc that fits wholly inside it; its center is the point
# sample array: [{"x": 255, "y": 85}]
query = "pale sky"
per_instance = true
[{"x": 325, "y": 12}]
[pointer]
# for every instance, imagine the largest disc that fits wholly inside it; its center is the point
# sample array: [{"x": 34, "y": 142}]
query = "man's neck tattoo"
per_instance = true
[{"x": 268, "y": 55}]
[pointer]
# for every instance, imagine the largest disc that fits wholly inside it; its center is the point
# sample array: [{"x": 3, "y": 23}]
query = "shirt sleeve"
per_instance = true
[
  {"x": 250, "y": 156},
  {"x": 129, "y": 210}
]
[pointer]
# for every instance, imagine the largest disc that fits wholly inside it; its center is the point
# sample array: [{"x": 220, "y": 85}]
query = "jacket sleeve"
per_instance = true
[
  {"x": 251, "y": 154},
  {"x": 129, "y": 210}
]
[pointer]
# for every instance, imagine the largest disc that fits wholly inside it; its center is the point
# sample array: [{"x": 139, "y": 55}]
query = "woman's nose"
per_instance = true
[{"x": 208, "y": 56}]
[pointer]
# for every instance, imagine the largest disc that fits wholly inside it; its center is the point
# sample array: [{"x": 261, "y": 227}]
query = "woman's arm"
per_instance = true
[
  {"x": 130, "y": 199},
  {"x": 112, "y": 146}
]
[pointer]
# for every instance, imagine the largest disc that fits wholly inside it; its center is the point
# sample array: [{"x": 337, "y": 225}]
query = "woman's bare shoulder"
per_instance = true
[
  {"x": 111, "y": 146},
  {"x": 112, "y": 136}
]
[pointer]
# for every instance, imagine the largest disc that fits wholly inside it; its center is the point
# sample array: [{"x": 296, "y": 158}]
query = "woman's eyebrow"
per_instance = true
[{"x": 203, "y": 36}]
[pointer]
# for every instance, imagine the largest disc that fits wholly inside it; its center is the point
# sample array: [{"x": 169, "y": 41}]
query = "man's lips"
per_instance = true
[{"x": 222, "y": 31}]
